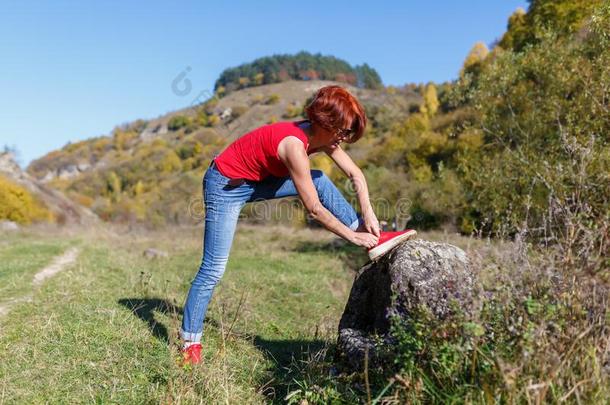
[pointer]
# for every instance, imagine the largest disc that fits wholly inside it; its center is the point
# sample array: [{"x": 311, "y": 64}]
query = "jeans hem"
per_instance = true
[{"x": 191, "y": 336}]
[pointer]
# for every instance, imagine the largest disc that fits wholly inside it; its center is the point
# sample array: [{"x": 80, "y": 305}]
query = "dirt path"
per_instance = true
[{"x": 58, "y": 264}]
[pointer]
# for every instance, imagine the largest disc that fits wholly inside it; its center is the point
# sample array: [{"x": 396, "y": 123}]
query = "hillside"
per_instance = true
[
  {"x": 150, "y": 171},
  {"x": 61, "y": 208}
]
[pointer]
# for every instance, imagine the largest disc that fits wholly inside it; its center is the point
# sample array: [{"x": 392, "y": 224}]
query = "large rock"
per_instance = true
[{"x": 415, "y": 273}]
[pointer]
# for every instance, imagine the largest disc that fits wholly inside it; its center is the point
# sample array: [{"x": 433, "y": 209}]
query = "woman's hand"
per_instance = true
[
  {"x": 364, "y": 239},
  {"x": 370, "y": 222}
]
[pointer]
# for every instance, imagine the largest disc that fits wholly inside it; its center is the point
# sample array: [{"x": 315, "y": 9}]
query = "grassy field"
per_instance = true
[
  {"x": 105, "y": 329},
  {"x": 21, "y": 256}
]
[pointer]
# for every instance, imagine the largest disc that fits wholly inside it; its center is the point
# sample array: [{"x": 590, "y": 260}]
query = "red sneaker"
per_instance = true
[
  {"x": 192, "y": 354},
  {"x": 389, "y": 240}
]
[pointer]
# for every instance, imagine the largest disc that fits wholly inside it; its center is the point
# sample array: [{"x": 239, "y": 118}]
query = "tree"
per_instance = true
[
  {"x": 17, "y": 204},
  {"x": 517, "y": 30},
  {"x": 543, "y": 113},
  {"x": 430, "y": 100},
  {"x": 177, "y": 122},
  {"x": 258, "y": 79},
  {"x": 367, "y": 77},
  {"x": 475, "y": 58},
  {"x": 113, "y": 184},
  {"x": 138, "y": 189},
  {"x": 562, "y": 17},
  {"x": 244, "y": 81},
  {"x": 302, "y": 66}
]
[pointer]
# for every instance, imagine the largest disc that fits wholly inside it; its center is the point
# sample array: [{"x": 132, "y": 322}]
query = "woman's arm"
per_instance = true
[
  {"x": 353, "y": 172},
  {"x": 293, "y": 155}
]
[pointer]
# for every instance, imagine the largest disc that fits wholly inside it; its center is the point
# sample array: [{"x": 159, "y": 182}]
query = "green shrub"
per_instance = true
[
  {"x": 273, "y": 99},
  {"x": 293, "y": 111},
  {"x": 545, "y": 157},
  {"x": 213, "y": 120},
  {"x": 177, "y": 122}
]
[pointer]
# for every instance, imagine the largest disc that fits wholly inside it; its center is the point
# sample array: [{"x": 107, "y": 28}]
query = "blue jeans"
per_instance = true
[{"x": 224, "y": 198}]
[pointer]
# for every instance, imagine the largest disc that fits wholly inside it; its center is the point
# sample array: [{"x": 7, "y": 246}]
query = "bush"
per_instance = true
[
  {"x": 293, "y": 111},
  {"x": 273, "y": 99},
  {"x": 169, "y": 163},
  {"x": 546, "y": 157},
  {"x": 238, "y": 111},
  {"x": 177, "y": 122},
  {"x": 18, "y": 205},
  {"x": 213, "y": 120},
  {"x": 498, "y": 354}
]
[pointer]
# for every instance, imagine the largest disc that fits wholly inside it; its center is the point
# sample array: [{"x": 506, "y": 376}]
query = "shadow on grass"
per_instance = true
[
  {"x": 145, "y": 308},
  {"x": 288, "y": 356},
  {"x": 354, "y": 257}
]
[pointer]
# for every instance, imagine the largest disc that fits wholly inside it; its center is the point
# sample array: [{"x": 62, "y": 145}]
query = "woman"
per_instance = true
[{"x": 272, "y": 162}]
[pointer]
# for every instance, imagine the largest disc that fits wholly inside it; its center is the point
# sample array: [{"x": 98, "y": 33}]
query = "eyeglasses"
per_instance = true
[{"x": 344, "y": 133}]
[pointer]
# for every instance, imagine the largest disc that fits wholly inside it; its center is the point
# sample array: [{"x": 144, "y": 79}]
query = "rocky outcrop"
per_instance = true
[
  {"x": 9, "y": 167},
  {"x": 415, "y": 273},
  {"x": 67, "y": 172},
  {"x": 152, "y": 131}
]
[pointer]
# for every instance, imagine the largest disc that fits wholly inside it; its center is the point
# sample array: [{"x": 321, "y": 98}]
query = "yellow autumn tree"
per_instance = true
[
  {"x": 113, "y": 183},
  {"x": 517, "y": 29},
  {"x": 243, "y": 82},
  {"x": 138, "y": 189},
  {"x": 220, "y": 91},
  {"x": 169, "y": 163},
  {"x": 431, "y": 103},
  {"x": 213, "y": 120},
  {"x": 258, "y": 79},
  {"x": 18, "y": 205},
  {"x": 475, "y": 57}
]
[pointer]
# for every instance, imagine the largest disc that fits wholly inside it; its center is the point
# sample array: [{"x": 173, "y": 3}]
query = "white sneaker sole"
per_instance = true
[{"x": 378, "y": 251}]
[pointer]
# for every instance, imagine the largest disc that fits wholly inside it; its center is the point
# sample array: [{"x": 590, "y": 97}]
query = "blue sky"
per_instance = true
[{"x": 72, "y": 70}]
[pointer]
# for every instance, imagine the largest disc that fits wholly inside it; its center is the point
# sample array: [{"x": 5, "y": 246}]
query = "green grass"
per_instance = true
[
  {"x": 105, "y": 329},
  {"x": 21, "y": 256}
]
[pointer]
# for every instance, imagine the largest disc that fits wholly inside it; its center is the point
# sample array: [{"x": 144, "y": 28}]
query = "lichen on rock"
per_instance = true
[{"x": 415, "y": 274}]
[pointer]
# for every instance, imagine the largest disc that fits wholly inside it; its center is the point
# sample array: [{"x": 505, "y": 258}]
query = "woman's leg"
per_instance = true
[
  {"x": 330, "y": 197},
  {"x": 221, "y": 214}
]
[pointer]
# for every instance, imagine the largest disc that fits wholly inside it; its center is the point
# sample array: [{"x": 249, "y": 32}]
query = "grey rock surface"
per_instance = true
[
  {"x": 151, "y": 253},
  {"x": 9, "y": 226},
  {"x": 415, "y": 273}
]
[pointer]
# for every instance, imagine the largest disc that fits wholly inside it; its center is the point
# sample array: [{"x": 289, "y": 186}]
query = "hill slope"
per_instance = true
[
  {"x": 63, "y": 209},
  {"x": 150, "y": 171}
]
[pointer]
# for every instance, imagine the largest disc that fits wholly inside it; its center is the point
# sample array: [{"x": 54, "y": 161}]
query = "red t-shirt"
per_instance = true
[{"x": 254, "y": 156}]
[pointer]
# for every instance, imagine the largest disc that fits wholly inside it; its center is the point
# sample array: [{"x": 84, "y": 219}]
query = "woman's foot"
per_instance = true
[
  {"x": 389, "y": 240},
  {"x": 191, "y": 353}
]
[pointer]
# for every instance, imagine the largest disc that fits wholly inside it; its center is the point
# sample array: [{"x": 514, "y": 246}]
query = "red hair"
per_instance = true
[{"x": 334, "y": 108}]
